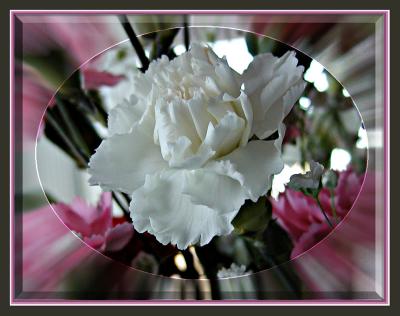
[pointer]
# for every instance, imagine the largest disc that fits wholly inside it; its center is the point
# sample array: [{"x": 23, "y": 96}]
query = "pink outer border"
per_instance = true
[
  {"x": 386, "y": 299},
  {"x": 360, "y": 12}
]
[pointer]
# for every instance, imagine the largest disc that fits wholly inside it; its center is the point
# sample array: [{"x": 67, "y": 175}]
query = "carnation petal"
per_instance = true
[
  {"x": 256, "y": 162},
  {"x": 214, "y": 190},
  {"x": 174, "y": 121},
  {"x": 121, "y": 162},
  {"x": 200, "y": 116},
  {"x": 228, "y": 79},
  {"x": 273, "y": 86},
  {"x": 122, "y": 117},
  {"x": 248, "y": 115},
  {"x": 161, "y": 208},
  {"x": 224, "y": 137}
]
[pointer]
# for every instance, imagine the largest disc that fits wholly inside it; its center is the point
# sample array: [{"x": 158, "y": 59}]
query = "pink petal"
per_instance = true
[
  {"x": 103, "y": 219},
  {"x": 94, "y": 79},
  {"x": 118, "y": 237},
  {"x": 96, "y": 242},
  {"x": 36, "y": 95},
  {"x": 51, "y": 251},
  {"x": 72, "y": 219}
]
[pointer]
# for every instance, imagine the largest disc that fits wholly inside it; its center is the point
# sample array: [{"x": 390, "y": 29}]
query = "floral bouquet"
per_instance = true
[{"x": 205, "y": 159}]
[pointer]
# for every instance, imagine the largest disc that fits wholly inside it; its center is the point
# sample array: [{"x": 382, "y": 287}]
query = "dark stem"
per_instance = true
[
  {"x": 186, "y": 36},
  {"x": 123, "y": 207},
  {"x": 79, "y": 156},
  {"x": 323, "y": 212},
  {"x": 82, "y": 158},
  {"x": 134, "y": 41},
  {"x": 73, "y": 131},
  {"x": 126, "y": 197}
]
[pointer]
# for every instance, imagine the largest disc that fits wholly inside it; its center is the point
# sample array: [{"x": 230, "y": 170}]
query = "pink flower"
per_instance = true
[
  {"x": 50, "y": 251},
  {"x": 296, "y": 212},
  {"x": 94, "y": 79},
  {"x": 79, "y": 37},
  {"x": 94, "y": 224},
  {"x": 315, "y": 233},
  {"x": 345, "y": 261},
  {"x": 36, "y": 95},
  {"x": 301, "y": 216},
  {"x": 349, "y": 185}
]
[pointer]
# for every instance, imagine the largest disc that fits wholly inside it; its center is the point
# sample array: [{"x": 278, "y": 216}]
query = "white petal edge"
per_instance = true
[
  {"x": 121, "y": 162},
  {"x": 160, "y": 208},
  {"x": 217, "y": 191},
  {"x": 226, "y": 135},
  {"x": 273, "y": 86},
  {"x": 122, "y": 117},
  {"x": 252, "y": 165}
]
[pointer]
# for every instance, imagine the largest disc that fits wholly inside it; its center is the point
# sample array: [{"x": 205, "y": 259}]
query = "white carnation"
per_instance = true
[
  {"x": 233, "y": 271},
  {"x": 180, "y": 144}
]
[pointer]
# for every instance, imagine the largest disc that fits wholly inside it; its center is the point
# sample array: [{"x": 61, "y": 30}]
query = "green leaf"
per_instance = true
[
  {"x": 253, "y": 217},
  {"x": 73, "y": 84},
  {"x": 252, "y": 44},
  {"x": 54, "y": 67},
  {"x": 266, "y": 45}
]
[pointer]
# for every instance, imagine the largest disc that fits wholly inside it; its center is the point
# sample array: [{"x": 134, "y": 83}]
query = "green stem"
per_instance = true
[{"x": 323, "y": 212}]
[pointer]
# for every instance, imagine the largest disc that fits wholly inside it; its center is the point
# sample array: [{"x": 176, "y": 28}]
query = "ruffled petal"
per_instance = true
[
  {"x": 217, "y": 191},
  {"x": 226, "y": 135},
  {"x": 123, "y": 117},
  {"x": 243, "y": 108},
  {"x": 200, "y": 116},
  {"x": 259, "y": 71},
  {"x": 273, "y": 86},
  {"x": 174, "y": 121},
  {"x": 227, "y": 78},
  {"x": 256, "y": 163},
  {"x": 121, "y": 162},
  {"x": 161, "y": 208},
  {"x": 183, "y": 157}
]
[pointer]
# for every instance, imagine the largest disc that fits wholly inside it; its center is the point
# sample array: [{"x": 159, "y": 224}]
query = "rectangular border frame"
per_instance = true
[{"x": 386, "y": 162}]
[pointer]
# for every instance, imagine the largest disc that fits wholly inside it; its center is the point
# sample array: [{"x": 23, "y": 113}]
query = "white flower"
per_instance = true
[
  {"x": 233, "y": 271},
  {"x": 309, "y": 180},
  {"x": 180, "y": 144}
]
